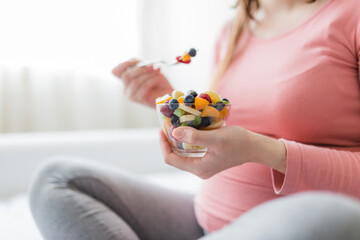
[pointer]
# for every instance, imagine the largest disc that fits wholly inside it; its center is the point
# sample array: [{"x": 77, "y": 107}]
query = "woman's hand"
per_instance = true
[
  {"x": 227, "y": 147},
  {"x": 142, "y": 84}
]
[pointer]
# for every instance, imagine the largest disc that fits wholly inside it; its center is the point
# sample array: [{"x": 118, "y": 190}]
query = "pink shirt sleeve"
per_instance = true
[
  {"x": 319, "y": 168},
  {"x": 358, "y": 47},
  {"x": 311, "y": 167}
]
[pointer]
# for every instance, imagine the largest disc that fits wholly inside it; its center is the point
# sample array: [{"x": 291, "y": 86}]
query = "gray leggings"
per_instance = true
[
  {"x": 74, "y": 199},
  {"x": 80, "y": 200}
]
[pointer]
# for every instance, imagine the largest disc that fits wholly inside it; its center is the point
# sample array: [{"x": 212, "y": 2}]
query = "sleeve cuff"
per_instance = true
[{"x": 287, "y": 183}]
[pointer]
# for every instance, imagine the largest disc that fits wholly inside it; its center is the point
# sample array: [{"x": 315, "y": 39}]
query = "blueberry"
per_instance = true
[
  {"x": 166, "y": 111},
  {"x": 189, "y": 100},
  {"x": 205, "y": 121},
  {"x": 220, "y": 105},
  {"x": 180, "y": 145},
  {"x": 173, "y": 104},
  {"x": 192, "y": 52},
  {"x": 192, "y": 92},
  {"x": 192, "y": 124},
  {"x": 175, "y": 121}
]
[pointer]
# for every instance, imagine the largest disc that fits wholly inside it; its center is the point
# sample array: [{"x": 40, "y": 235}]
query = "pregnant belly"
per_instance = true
[{"x": 226, "y": 196}]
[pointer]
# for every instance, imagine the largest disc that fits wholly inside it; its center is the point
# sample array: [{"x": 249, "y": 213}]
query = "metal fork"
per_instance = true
[{"x": 157, "y": 61}]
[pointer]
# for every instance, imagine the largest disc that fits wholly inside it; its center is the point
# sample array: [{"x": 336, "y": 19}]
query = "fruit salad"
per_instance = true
[
  {"x": 204, "y": 111},
  {"x": 186, "y": 57}
]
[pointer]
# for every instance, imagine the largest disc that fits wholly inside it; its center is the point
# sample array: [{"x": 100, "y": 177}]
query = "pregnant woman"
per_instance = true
[{"x": 291, "y": 71}]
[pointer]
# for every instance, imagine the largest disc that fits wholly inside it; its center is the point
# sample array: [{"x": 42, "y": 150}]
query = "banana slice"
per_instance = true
[
  {"x": 190, "y": 110},
  {"x": 176, "y": 94},
  {"x": 214, "y": 125},
  {"x": 191, "y": 147},
  {"x": 187, "y": 118}
]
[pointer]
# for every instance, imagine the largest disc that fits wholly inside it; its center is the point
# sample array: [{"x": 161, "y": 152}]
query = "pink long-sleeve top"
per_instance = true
[{"x": 301, "y": 87}]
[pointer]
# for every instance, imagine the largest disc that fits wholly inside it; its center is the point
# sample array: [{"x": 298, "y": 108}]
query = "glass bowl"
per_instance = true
[{"x": 205, "y": 119}]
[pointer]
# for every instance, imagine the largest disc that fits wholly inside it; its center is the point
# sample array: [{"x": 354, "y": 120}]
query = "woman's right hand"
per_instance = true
[{"x": 142, "y": 84}]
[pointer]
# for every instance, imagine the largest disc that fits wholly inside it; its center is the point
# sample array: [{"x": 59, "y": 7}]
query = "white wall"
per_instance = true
[
  {"x": 170, "y": 27},
  {"x": 60, "y": 78},
  {"x": 88, "y": 34}
]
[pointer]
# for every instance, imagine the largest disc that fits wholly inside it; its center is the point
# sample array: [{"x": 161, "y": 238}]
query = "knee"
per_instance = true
[
  {"x": 53, "y": 174},
  {"x": 321, "y": 204},
  {"x": 321, "y": 215},
  {"x": 301, "y": 216},
  {"x": 49, "y": 170},
  {"x": 315, "y": 207},
  {"x": 304, "y": 216}
]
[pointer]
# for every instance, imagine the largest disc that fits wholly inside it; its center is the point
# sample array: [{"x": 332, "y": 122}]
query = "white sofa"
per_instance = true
[{"x": 135, "y": 150}]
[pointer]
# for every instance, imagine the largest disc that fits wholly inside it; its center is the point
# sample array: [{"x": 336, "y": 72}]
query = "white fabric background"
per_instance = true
[{"x": 56, "y": 58}]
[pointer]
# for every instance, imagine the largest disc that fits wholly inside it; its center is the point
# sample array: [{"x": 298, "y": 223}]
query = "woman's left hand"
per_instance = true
[{"x": 227, "y": 147}]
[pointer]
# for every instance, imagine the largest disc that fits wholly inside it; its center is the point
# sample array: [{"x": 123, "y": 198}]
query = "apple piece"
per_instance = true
[{"x": 179, "y": 112}]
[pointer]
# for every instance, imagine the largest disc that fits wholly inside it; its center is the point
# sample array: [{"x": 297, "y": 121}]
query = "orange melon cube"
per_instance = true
[
  {"x": 211, "y": 112},
  {"x": 224, "y": 113},
  {"x": 181, "y": 99},
  {"x": 186, "y": 58},
  {"x": 200, "y": 103}
]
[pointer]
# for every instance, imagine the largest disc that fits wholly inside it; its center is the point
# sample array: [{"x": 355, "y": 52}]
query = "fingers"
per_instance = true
[
  {"x": 135, "y": 88},
  {"x": 183, "y": 163},
  {"x": 144, "y": 88},
  {"x": 122, "y": 67},
  {"x": 135, "y": 72},
  {"x": 190, "y": 164},
  {"x": 196, "y": 137}
]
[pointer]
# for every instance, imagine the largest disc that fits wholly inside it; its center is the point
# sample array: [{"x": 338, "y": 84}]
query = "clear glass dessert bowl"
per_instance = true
[{"x": 200, "y": 112}]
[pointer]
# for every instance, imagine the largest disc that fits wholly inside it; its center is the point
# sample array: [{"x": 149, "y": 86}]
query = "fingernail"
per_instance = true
[{"x": 178, "y": 133}]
